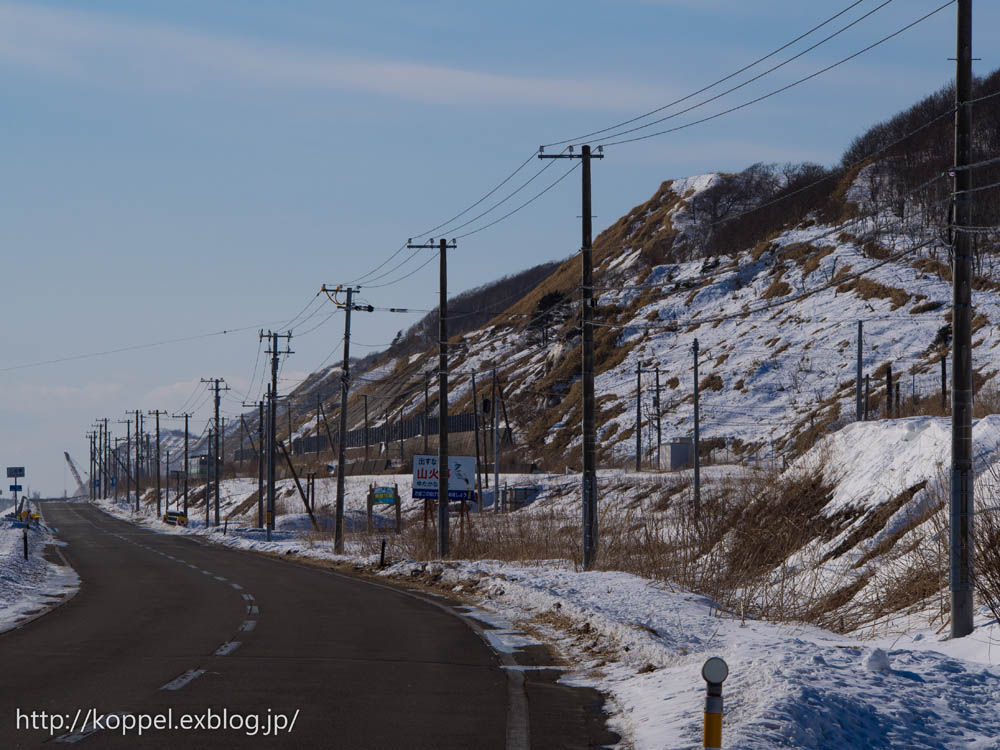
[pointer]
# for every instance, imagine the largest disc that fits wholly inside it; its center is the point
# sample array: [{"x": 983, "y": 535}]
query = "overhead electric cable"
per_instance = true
[
  {"x": 761, "y": 98},
  {"x": 710, "y": 86}
]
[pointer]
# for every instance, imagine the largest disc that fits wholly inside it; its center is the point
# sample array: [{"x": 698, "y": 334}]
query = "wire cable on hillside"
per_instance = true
[
  {"x": 710, "y": 86},
  {"x": 800, "y": 81}
]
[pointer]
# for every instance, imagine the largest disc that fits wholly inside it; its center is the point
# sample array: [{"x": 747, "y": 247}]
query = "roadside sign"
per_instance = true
[
  {"x": 15, "y": 472},
  {"x": 385, "y": 496},
  {"x": 461, "y": 476},
  {"x": 97, "y": 482},
  {"x": 115, "y": 481},
  {"x": 15, "y": 488}
]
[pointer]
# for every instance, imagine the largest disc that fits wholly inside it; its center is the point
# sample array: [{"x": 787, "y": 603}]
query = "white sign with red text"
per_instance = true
[{"x": 461, "y": 477}]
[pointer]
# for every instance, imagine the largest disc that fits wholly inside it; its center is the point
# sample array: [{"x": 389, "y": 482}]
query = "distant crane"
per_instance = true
[{"x": 81, "y": 488}]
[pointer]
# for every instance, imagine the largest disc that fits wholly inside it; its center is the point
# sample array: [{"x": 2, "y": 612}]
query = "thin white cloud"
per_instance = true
[{"x": 101, "y": 48}]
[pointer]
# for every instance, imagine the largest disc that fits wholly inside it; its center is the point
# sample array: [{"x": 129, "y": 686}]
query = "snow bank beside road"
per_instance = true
[
  {"x": 791, "y": 686},
  {"x": 29, "y": 586},
  {"x": 643, "y": 644}
]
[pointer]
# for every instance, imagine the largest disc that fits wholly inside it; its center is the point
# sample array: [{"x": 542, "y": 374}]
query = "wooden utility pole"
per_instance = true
[
  {"x": 659, "y": 423},
  {"x": 156, "y": 413},
  {"x": 186, "y": 416},
  {"x": 272, "y": 395},
  {"x": 136, "y": 466},
  {"x": 347, "y": 306},
  {"x": 475, "y": 430},
  {"x": 962, "y": 475},
  {"x": 857, "y": 385},
  {"x": 443, "y": 465},
  {"x": 215, "y": 384},
  {"x": 261, "y": 465},
  {"x": 697, "y": 439},
  {"x": 638, "y": 417},
  {"x": 427, "y": 387},
  {"x": 589, "y": 489}
]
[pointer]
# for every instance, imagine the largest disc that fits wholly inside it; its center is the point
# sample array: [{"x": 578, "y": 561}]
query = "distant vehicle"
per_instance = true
[{"x": 175, "y": 518}]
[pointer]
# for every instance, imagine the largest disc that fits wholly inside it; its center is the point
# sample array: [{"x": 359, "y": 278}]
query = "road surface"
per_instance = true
[{"x": 172, "y": 630}]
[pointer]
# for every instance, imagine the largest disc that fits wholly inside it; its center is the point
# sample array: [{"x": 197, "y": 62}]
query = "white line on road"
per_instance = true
[
  {"x": 178, "y": 682},
  {"x": 247, "y": 625},
  {"x": 227, "y": 648},
  {"x": 253, "y": 610},
  {"x": 236, "y": 586}
]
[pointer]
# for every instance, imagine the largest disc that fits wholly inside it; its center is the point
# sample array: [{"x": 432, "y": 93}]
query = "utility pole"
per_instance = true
[
  {"x": 638, "y": 417},
  {"x": 427, "y": 384},
  {"x": 135, "y": 468},
  {"x": 208, "y": 475},
  {"x": 272, "y": 338},
  {"x": 156, "y": 413},
  {"x": 944, "y": 384},
  {"x": 962, "y": 476},
  {"x": 868, "y": 384},
  {"x": 345, "y": 381},
  {"x": 128, "y": 458},
  {"x": 587, "y": 369},
  {"x": 93, "y": 474},
  {"x": 659, "y": 423},
  {"x": 117, "y": 456},
  {"x": 168, "y": 479},
  {"x": 857, "y": 385},
  {"x": 365, "y": 397},
  {"x": 697, "y": 436},
  {"x": 443, "y": 465},
  {"x": 105, "y": 451},
  {"x": 475, "y": 429},
  {"x": 186, "y": 416},
  {"x": 261, "y": 466},
  {"x": 214, "y": 384},
  {"x": 496, "y": 445}
]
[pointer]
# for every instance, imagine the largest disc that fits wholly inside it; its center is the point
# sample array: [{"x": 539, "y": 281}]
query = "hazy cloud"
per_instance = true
[{"x": 101, "y": 48}]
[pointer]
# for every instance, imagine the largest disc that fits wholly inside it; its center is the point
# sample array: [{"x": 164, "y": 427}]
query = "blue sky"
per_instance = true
[{"x": 177, "y": 168}]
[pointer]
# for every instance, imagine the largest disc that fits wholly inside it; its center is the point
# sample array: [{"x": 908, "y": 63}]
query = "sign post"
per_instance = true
[{"x": 15, "y": 473}]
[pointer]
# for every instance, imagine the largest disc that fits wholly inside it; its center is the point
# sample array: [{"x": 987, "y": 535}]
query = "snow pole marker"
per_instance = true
[{"x": 714, "y": 672}]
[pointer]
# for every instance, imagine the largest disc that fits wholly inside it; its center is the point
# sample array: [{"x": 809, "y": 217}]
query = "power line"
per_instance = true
[
  {"x": 761, "y": 98},
  {"x": 754, "y": 78},
  {"x": 131, "y": 348},
  {"x": 732, "y": 75}
]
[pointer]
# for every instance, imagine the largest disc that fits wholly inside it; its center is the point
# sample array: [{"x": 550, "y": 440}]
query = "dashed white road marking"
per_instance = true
[
  {"x": 178, "y": 682},
  {"x": 74, "y": 737},
  {"x": 236, "y": 586},
  {"x": 221, "y": 578},
  {"x": 247, "y": 625},
  {"x": 253, "y": 610},
  {"x": 206, "y": 572},
  {"x": 192, "y": 565},
  {"x": 227, "y": 648},
  {"x": 248, "y": 597}
]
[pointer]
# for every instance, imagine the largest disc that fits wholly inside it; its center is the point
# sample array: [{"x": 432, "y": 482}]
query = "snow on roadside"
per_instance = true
[
  {"x": 643, "y": 643},
  {"x": 29, "y": 586}
]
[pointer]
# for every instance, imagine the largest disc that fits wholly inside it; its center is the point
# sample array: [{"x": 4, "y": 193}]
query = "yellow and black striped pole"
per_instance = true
[{"x": 714, "y": 672}]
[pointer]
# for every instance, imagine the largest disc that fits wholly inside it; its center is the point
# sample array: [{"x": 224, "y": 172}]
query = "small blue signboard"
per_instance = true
[
  {"x": 115, "y": 481},
  {"x": 385, "y": 496},
  {"x": 97, "y": 482},
  {"x": 15, "y": 488}
]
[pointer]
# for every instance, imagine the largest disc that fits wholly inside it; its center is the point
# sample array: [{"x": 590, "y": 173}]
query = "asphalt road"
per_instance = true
[{"x": 167, "y": 626}]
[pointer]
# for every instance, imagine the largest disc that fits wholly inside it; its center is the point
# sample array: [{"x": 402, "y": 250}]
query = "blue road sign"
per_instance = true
[
  {"x": 97, "y": 482},
  {"x": 113, "y": 481},
  {"x": 15, "y": 488}
]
